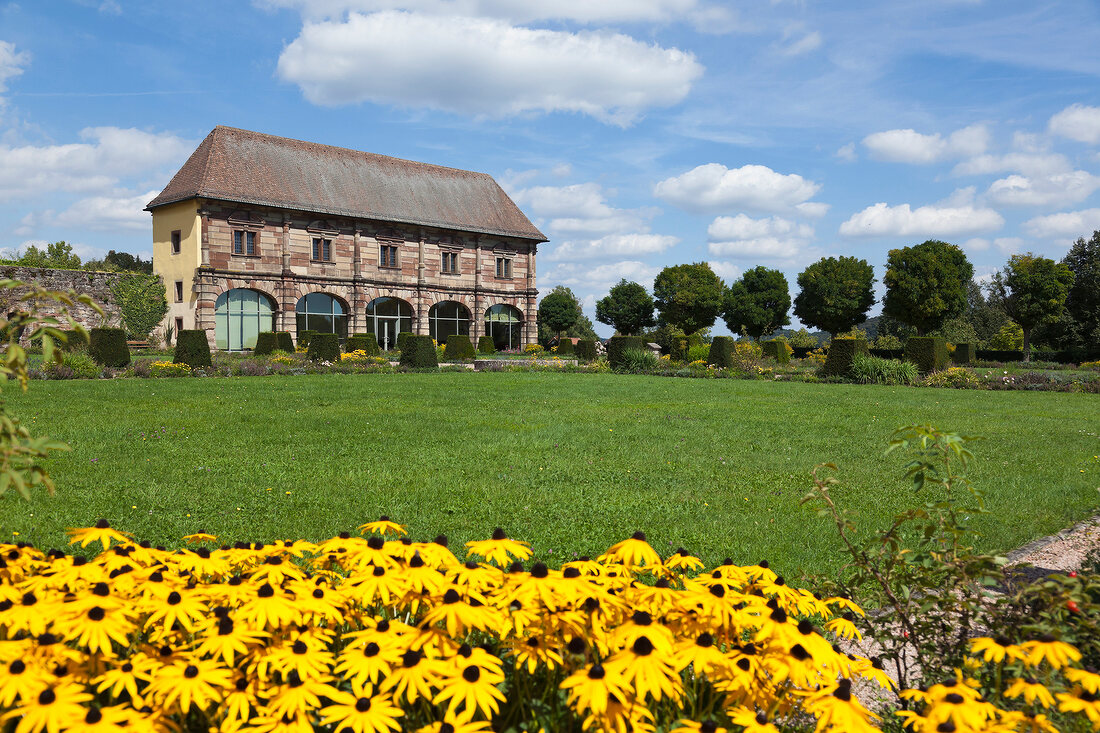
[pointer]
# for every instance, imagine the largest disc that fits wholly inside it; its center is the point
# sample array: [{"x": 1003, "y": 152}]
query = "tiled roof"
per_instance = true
[{"x": 253, "y": 168}]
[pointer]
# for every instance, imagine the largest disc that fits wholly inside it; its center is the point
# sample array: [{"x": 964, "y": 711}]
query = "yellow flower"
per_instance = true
[
  {"x": 101, "y": 533},
  {"x": 996, "y": 649},
  {"x": 54, "y": 709},
  {"x": 499, "y": 548},
  {"x": 1032, "y": 691},
  {"x": 1047, "y": 648},
  {"x": 362, "y": 714}
]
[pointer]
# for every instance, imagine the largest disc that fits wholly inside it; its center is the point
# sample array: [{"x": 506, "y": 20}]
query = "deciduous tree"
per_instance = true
[
  {"x": 835, "y": 293},
  {"x": 758, "y": 302},
  {"x": 559, "y": 310},
  {"x": 689, "y": 297},
  {"x": 926, "y": 284},
  {"x": 627, "y": 307},
  {"x": 1031, "y": 290}
]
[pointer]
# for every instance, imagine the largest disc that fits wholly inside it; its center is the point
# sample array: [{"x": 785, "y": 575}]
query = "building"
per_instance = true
[{"x": 260, "y": 233}]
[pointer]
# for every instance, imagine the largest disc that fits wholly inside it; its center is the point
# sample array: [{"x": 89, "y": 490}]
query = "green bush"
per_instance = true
[
  {"x": 304, "y": 337},
  {"x": 192, "y": 349},
  {"x": 459, "y": 347},
  {"x": 842, "y": 351},
  {"x": 586, "y": 350},
  {"x": 964, "y": 354},
  {"x": 107, "y": 346},
  {"x": 697, "y": 352},
  {"x": 324, "y": 347},
  {"x": 778, "y": 350},
  {"x": 565, "y": 347},
  {"x": 363, "y": 342},
  {"x": 929, "y": 353},
  {"x": 874, "y": 370},
  {"x": 285, "y": 341},
  {"x": 418, "y": 352},
  {"x": 402, "y": 339},
  {"x": 721, "y": 352},
  {"x": 678, "y": 348},
  {"x": 638, "y": 361},
  {"x": 485, "y": 345},
  {"x": 266, "y": 342},
  {"x": 75, "y": 365},
  {"x": 616, "y": 345},
  {"x": 74, "y": 340}
]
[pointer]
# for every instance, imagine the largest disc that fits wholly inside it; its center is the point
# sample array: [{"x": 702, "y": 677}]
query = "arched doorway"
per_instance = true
[
  {"x": 239, "y": 315},
  {"x": 504, "y": 324},
  {"x": 447, "y": 318},
  {"x": 388, "y": 317},
  {"x": 322, "y": 313}
]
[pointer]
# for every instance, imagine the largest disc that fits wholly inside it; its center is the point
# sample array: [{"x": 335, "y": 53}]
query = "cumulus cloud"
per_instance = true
[
  {"x": 1077, "y": 122},
  {"x": 95, "y": 165},
  {"x": 1028, "y": 163},
  {"x": 728, "y": 271},
  {"x": 483, "y": 66},
  {"x": 847, "y": 153},
  {"x": 1059, "y": 189},
  {"x": 585, "y": 280},
  {"x": 612, "y": 246},
  {"x": 713, "y": 188},
  {"x": 581, "y": 208},
  {"x": 518, "y": 11},
  {"x": 881, "y": 220},
  {"x": 910, "y": 146},
  {"x": 11, "y": 63},
  {"x": 1065, "y": 224},
  {"x": 108, "y": 213},
  {"x": 773, "y": 238}
]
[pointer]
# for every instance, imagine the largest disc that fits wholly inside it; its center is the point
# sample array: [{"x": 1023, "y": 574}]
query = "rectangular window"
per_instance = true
[
  {"x": 504, "y": 268},
  {"x": 176, "y": 242},
  {"x": 387, "y": 256},
  {"x": 179, "y": 326},
  {"x": 244, "y": 243},
  {"x": 322, "y": 249},
  {"x": 179, "y": 291},
  {"x": 450, "y": 263}
]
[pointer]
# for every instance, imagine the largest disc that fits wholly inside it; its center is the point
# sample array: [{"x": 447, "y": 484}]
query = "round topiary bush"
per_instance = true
[
  {"x": 586, "y": 350},
  {"x": 305, "y": 336},
  {"x": 617, "y": 345},
  {"x": 929, "y": 353},
  {"x": 778, "y": 350},
  {"x": 192, "y": 349},
  {"x": 721, "y": 352},
  {"x": 459, "y": 347},
  {"x": 324, "y": 347},
  {"x": 266, "y": 342},
  {"x": 841, "y": 353},
  {"x": 419, "y": 352},
  {"x": 107, "y": 346},
  {"x": 485, "y": 345},
  {"x": 285, "y": 342},
  {"x": 362, "y": 342},
  {"x": 565, "y": 347}
]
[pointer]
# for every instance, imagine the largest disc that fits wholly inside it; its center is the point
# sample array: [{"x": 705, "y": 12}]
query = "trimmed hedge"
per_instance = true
[
  {"x": 898, "y": 354},
  {"x": 721, "y": 352},
  {"x": 964, "y": 354},
  {"x": 459, "y": 347},
  {"x": 801, "y": 352},
  {"x": 485, "y": 345},
  {"x": 929, "y": 353},
  {"x": 617, "y": 345},
  {"x": 841, "y": 353},
  {"x": 74, "y": 340},
  {"x": 266, "y": 342},
  {"x": 305, "y": 336},
  {"x": 402, "y": 338},
  {"x": 776, "y": 349},
  {"x": 363, "y": 342},
  {"x": 285, "y": 341},
  {"x": 107, "y": 347},
  {"x": 323, "y": 347},
  {"x": 565, "y": 347},
  {"x": 192, "y": 348},
  {"x": 678, "y": 348},
  {"x": 586, "y": 350},
  {"x": 418, "y": 352}
]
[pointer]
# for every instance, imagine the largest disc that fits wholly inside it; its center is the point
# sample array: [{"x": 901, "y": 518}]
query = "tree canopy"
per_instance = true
[
  {"x": 689, "y": 297},
  {"x": 1031, "y": 290},
  {"x": 559, "y": 310},
  {"x": 926, "y": 284},
  {"x": 757, "y": 303},
  {"x": 628, "y": 307},
  {"x": 835, "y": 293},
  {"x": 1083, "y": 301},
  {"x": 56, "y": 255}
]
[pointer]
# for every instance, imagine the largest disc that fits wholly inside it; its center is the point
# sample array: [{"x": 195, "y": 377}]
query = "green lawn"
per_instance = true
[{"x": 572, "y": 463}]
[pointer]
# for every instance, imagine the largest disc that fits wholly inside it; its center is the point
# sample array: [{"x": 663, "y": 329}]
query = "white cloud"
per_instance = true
[
  {"x": 109, "y": 153},
  {"x": 910, "y": 146},
  {"x": 1009, "y": 245},
  {"x": 518, "y": 11},
  {"x": 1077, "y": 122},
  {"x": 612, "y": 246},
  {"x": 847, "y": 153},
  {"x": 976, "y": 244},
  {"x": 809, "y": 42},
  {"x": 11, "y": 63},
  {"x": 108, "y": 213},
  {"x": 585, "y": 280},
  {"x": 581, "y": 208},
  {"x": 773, "y": 238},
  {"x": 1065, "y": 224},
  {"x": 1059, "y": 189},
  {"x": 728, "y": 271},
  {"x": 881, "y": 220},
  {"x": 483, "y": 67},
  {"x": 713, "y": 188},
  {"x": 1030, "y": 164}
]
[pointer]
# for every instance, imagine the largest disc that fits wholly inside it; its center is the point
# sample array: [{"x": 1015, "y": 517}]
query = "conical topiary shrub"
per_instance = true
[
  {"x": 285, "y": 341},
  {"x": 841, "y": 353},
  {"x": 107, "y": 346},
  {"x": 618, "y": 345},
  {"x": 586, "y": 350},
  {"x": 324, "y": 347},
  {"x": 721, "y": 352},
  {"x": 459, "y": 347},
  {"x": 565, "y": 347},
  {"x": 485, "y": 345},
  {"x": 192, "y": 349},
  {"x": 266, "y": 342},
  {"x": 419, "y": 352}
]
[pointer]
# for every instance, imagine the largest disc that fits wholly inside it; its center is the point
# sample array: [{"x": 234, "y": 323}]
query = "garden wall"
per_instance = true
[{"x": 95, "y": 284}]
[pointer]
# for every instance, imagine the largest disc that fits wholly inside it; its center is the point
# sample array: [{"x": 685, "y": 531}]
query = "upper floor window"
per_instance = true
[
  {"x": 504, "y": 268},
  {"x": 387, "y": 255},
  {"x": 450, "y": 263},
  {"x": 244, "y": 242},
  {"x": 322, "y": 249},
  {"x": 176, "y": 242},
  {"x": 179, "y": 291}
]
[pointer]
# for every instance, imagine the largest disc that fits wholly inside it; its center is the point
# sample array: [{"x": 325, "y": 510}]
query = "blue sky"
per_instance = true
[{"x": 634, "y": 133}]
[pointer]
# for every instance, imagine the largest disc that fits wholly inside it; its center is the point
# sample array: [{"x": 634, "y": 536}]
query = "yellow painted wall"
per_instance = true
[{"x": 183, "y": 216}]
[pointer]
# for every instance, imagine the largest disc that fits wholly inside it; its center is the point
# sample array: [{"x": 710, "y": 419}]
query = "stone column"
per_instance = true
[
  {"x": 477, "y": 316},
  {"x": 531, "y": 326},
  {"x": 420, "y": 323},
  {"x": 287, "y": 301}
]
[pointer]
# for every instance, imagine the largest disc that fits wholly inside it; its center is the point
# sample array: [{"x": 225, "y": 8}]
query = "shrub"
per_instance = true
[
  {"x": 266, "y": 342},
  {"x": 721, "y": 352},
  {"x": 284, "y": 341},
  {"x": 304, "y": 337},
  {"x": 746, "y": 355},
  {"x": 638, "y": 361},
  {"x": 867, "y": 369},
  {"x": 586, "y": 350},
  {"x": 616, "y": 345},
  {"x": 533, "y": 349},
  {"x": 1093, "y": 365},
  {"x": 459, "y": 347},
  {"x": 565, "y": 347},
  {"x": 192, "y": 349},
  {"x": 955, "y": 378},
  {"x": 419, "y": 352},
  {"x": 678, "y": 348},
  {"x": 841, "y": 353},
  {"x": 324, "y": 347},
  {"x": 74, "y": 365},
  {"x": 485, "y": 345},
  {"x": 402, "y": 338},
  {"x": 929, "y": 353},
  {"x": 779, "y": 350},
  {"x": 964, "y": 354},
  {"x": 75, "y": 340},
  {"x": 169, "y": 369},
  {"x": 107, "y": 346},
  {"x": 697, "y": 352},
  {"x": 364, "y": 342}
]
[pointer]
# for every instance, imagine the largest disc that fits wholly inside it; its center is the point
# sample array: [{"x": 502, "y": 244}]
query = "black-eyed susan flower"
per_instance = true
[
  {"x": 362, "y": 713},
  {"x": 752, "y": 721},
  {"x": 1081, "y": 701},
  {"x": 1089, "y": 680},
  {"x": 592, "y": 689},
  {"x": 415, "y": 677},
  {"x": 633, "y": 553},
  {"x": 95, "y": 628},
  {"x": 1047, "y": 648},
  {"x": 184, "y": 607},
  {"x": 835, "y": 707},
  {"x": 20, "y": 681},
  {"x": 384, "y": 526},
  {"x": 190, "y": 682},
  {"x": 1031, "y": 690},
  {"x": 101, "y": 532},
  {"x": 648, "y": 670},
  {"x": 57, "y": 707},
  {"x": 499, "y": 549},
  {"x": 199, "y": 538},
  {"x": 996, "y": 649},
  {"x": 473, "y": 689}
]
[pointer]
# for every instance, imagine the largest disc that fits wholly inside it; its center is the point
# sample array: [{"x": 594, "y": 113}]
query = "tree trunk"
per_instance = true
[{"x": 1027, "y": 344}]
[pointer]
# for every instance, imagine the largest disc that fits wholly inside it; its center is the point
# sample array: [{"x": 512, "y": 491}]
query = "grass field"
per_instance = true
[{"x": 571, "y": 463}]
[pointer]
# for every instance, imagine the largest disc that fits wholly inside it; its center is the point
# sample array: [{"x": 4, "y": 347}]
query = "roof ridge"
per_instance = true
[{"x": 212, "y": 137}]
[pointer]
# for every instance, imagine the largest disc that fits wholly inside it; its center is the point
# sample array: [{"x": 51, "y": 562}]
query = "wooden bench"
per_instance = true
[{"x": 138, "y": 344}]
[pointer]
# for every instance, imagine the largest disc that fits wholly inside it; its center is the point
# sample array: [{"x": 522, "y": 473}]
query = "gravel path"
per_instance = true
[{"x": 1058, "y": 553}]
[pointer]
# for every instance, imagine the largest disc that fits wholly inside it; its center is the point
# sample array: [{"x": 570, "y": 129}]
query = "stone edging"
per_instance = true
[{"x": 1042, "y": 543}]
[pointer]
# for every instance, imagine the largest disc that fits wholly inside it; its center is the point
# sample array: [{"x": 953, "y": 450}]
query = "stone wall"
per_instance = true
[{"x": 95, "y": 284}]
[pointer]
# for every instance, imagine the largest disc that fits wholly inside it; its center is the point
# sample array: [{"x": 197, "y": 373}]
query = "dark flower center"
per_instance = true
[
  {"x": 451, "y": 596},
  {"x": 410, "y": 658},
  {"x": 362, "y": 704},
  {"x": 266, "y": 591},
  {"x": 498, "y": 534},
  {"x": 378, "y": 571},
  {"x": 779, "y": 616},
  {"x": 102, "y": 524},
  {"x": 299, "y": 647},
  {"x": 46, "y": 697},
  {"x": 95, "y": 613},
  {"x": 705, "y": 639},
  {"x": 371, "y": 650},
  {"x": 639, "y": 535},
  {"x": 318, "y": 593},
  {"x": 471, "y": 673},
  {"x": 799, "y": 652},
  {"x": 174, "y": 598},
  {"x": 954, "y": 698},
  {"x": 241, "y": 684},
  {"x": 191, "y": 672},
  {"x": 1047, "y": 638},
  {"x": 708, "y": 726},
  {"x": 376, "y": 543},
  {"x": 641, "y": 618},
  {"x": 539, "y": 570},
  {"x": 717, "y": 590},
  {"x": 945, "y": 727},
  {"x": 93, "y": 716},
  {"x": 17, "y": 667},
  {"x": 576, "y": 645},
  {"x": 805, "y": 627},
  {"x": 29, "y": 599},
  {"x": 596, "y": 672},
  {"x": 643, "y": 646},
  {"x": 101, "y": 589}
]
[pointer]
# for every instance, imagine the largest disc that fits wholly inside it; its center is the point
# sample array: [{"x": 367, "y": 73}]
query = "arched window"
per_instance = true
[
  {"x": 387, "y": 317},
  {"x": 505, "y": 325},
  {"x": 447, "y": 318},
  {"x": 239, "y": 315},
  {"x": 322, "y": 313}
]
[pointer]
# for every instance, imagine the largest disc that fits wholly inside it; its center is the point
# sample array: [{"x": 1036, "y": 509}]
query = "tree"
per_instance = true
[
  {"x": 627, "y": 307},
  {"x": 120, "y": 262},
  {"x": 57, "y": 255},
  {"x": 1031, "y": 290},
  {"x": 926, "y": 284},
  {"x": 582, "y": 329},
  {"x": 1083, "y": 301},
  {"x": 757, "y": 303},
  {"x": 835, "y": 293},
  {"x": 689, "y": 297},
  {"x": 985, "y": 318},
  {"x": 559, "y": 310}
]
